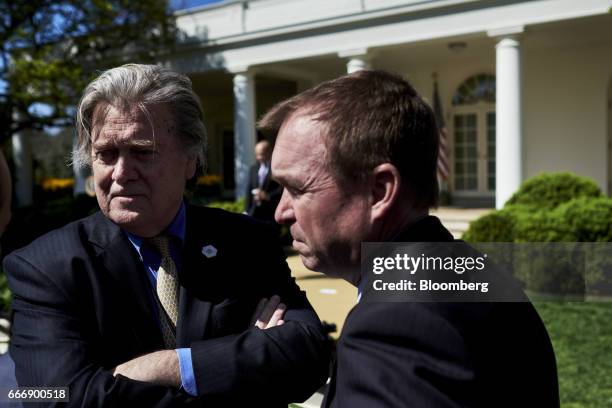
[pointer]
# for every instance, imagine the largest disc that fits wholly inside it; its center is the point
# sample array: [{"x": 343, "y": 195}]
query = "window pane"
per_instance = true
[
  {"x": 458, "y": 121},
  {"x": 479, "y": 87},
  {"x": 471, "y": 136},
  {"x": 471, "y": 151},
  {"x": 471, "y": 168},
  {"x": 458, "y": 167},
  {"x": 471, "y": 120},
  {"x": 459, "y": 152},
  {"x": 459, "y": 137}
]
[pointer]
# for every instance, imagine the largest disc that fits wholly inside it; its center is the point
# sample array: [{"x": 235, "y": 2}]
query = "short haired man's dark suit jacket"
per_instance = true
[
  {"x": 420, "y": 354},
  {"x": 82, "y": 306}
]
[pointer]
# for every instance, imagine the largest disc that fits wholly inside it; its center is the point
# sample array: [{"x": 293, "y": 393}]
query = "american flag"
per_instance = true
[{"x": 443, "y": 169}]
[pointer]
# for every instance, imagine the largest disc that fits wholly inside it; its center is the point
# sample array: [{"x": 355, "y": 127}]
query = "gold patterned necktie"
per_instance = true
[{"x": 167, "y": 290}]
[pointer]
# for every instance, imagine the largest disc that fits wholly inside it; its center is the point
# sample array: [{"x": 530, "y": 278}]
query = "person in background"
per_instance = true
[{"x": 263, "y": 193}]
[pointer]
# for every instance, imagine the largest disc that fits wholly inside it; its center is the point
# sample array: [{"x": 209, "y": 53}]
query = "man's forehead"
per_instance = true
[
  {"x": 130, "y": 123},
  {"x": 299, "y": 147}
]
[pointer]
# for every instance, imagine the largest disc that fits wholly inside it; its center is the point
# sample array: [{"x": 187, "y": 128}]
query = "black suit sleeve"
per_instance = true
[
  {"x": 52, "y": 347},
  {"x": 293, "y": 357},
  {"x": 401, "y": 355}
]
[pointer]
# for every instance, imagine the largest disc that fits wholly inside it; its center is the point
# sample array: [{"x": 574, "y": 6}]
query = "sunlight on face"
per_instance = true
[
  {"x": 327, "y": 222},
  {"x": 139, "y": 168}
]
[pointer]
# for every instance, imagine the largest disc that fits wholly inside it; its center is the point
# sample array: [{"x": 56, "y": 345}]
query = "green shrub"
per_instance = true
[
  {"x": 551, "y": 207},
  {"x": 554, "y": 208},
  {"x": 231, "y": 206},
  {"x": 5, "y": 293},
  {"x": 540, "y": 226},
  {"x": 548, "y": 190},
  {"x": 497, "y": 226},
  {"x": 588, "y": 219}
]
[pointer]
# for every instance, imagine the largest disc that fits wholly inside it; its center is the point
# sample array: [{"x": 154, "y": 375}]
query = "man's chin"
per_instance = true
[
  {"x": 131, "y": 221},
  {"x": 308, "y": 262}
]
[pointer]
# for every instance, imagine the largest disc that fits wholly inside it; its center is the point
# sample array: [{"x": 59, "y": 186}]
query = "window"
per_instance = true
[{"x": 474, "y": 136}]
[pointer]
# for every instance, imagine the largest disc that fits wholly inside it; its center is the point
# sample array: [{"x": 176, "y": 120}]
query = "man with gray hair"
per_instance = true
[{"x": 152, "y": 302}]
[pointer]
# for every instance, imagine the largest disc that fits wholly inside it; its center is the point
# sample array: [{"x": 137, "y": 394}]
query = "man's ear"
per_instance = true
[
  {"x": 385, "y": 190},
  {"x": 190, "y": 168}
]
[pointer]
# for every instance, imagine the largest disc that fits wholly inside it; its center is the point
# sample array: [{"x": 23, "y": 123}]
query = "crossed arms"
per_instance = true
[
  {"x": 162, "y": 367},
  {"x": 71, "y": 328}
]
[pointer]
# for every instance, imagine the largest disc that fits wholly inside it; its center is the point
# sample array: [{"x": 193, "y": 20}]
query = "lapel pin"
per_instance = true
[{"x": 209, "y": 251}]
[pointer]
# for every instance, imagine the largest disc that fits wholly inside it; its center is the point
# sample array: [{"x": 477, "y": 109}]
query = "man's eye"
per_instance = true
[
  {"x": 294, "y": 191},
  {"x": 105, "y": 156}
]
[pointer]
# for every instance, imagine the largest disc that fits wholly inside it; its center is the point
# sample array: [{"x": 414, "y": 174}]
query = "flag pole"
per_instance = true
[{"x": 443, "y": 169}]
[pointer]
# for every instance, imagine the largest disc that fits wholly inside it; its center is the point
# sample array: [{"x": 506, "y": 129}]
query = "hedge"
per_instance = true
[
  {"x": 549, "y": 190},
  {"x": 554, "y": 208}
]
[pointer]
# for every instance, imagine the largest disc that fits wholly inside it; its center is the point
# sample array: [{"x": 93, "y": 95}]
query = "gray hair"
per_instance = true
[{"x": 142, "y": 85}]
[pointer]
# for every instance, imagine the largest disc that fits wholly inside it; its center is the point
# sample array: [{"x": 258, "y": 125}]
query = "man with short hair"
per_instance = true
[
  {"x": 263, "y": 193},
  {"x": 150, "y": 301},
  {"x": 357, "y": 157}
]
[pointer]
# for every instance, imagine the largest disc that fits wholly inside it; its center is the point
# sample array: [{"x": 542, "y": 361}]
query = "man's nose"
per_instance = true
[
  {"x": 284, "y": 213},
  {"x": 124, "y": 169}
]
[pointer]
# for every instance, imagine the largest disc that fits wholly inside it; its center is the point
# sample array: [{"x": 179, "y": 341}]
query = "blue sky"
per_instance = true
[{"x": 184, "y": 4}]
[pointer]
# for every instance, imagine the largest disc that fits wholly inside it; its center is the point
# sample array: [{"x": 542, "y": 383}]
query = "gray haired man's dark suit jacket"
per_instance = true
[{"x": 83, "y": 304}]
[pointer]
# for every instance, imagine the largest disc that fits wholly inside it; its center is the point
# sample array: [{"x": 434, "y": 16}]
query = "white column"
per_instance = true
[
  {"x": 244, "y": 129},
  {"x": 358, "y": 59},
  {"x": 356, "y": 64},
  {"x": 22, "y": 156},
  {"x": 508, "y": 126}
]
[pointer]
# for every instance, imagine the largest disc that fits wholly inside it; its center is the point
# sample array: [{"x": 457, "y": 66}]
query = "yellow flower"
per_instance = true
[
  {"x": 52, "y": 184},
  {"x": 209, "y": 180}
]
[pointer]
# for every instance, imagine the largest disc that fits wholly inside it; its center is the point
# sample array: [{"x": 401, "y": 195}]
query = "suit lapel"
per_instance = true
[
  {"x": 198, "y": 273},
  {"x": 193, "y": 318},
  {"x": 128, "y": 276}
]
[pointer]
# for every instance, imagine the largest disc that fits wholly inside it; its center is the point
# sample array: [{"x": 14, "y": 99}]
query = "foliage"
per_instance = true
[
  {"x": 581, "y": 334},
  {"x": 548, "y": 190},
  {"x": 540, "y": 226},
  {"x": 496, "y": 226},
  {"x": 232, "y": 206},
  {"x": 5, "y": 293},
  {"x": 588, "y": 219},
  {"x": 49, "y": 50},
  {"x": 555, "y": 208},
  {"x": 558, "y": 207}
]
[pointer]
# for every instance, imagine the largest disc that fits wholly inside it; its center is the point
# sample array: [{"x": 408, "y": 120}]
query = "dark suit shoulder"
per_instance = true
[
  {"x": 62, "y": 241},
  {"x": 485, "y": 345},
  {"x": 56, "y": 268},
  {"x": 428, "y": 327},
  {"x": 221, "y": 221}
]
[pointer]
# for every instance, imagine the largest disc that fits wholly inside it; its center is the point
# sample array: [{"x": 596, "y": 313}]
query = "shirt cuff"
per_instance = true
[{"x": 186, "y": 367}]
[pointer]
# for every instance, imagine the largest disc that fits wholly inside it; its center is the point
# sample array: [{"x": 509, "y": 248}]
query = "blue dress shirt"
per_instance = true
[{"x": 151, "y": 260}]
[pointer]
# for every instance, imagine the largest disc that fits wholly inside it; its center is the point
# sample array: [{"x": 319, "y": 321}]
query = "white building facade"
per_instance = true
[{"x": 525, "y": 86}]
